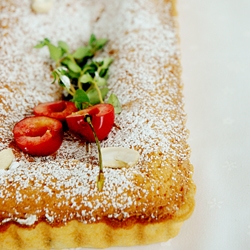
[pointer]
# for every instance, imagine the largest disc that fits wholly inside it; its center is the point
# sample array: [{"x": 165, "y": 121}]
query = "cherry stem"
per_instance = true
[{"x": 100, "y": 178}]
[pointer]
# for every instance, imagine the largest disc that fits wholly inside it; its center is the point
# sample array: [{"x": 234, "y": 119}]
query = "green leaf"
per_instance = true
[
  {"x": 92, "y": 39},
  {"x": 55, "y": 76},
  {"x": 42, "y": 43},
  {"x": 86, "y": 78},
  {"x": 73, "y": 75},
  {"x": 99, "y": 80},
  {"x": 113, "y": 99},
  {"x": 61, "y": 70},
  {"x": 78, "y": 105},
  {"x": 104, "y": 66},
  {"x": 64, "y": 46},
  {"x": 90, "y": 68},
  {"x": 93, "y": 95},
  {"x": 74, "y": 67},
  {"x": 82, "y": 52},
  {"x": 80, "y": 96},
  {"x": 97, "y": 44},
  {"x": 100, "y": 43},
  {"x": 65, "y": 61},
  {"x": 107, "y": 61},
  {"x": 55, "y": 52},
  {"x": 103, "y": 73},
  {"x": 66, "y": 81}
]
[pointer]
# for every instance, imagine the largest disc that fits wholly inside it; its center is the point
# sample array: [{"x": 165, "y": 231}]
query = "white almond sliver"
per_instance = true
[
  {"x": 119, "y": 157},
  {"x": 42, "y": 6},
  {"x": 6, "y": 158}
]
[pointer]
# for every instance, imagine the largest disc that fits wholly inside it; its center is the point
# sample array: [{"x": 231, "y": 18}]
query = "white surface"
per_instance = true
[{"x": 215, "y": 44}]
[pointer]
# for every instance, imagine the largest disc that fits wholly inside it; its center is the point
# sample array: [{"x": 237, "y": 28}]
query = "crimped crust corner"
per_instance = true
[{"x": 76, "y": 234}]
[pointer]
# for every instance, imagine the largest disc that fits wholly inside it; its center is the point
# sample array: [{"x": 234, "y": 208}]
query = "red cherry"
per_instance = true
[
  {"x": 57, "y": 109},
  {"x": 38, "y": 135},
  {"x": 102, "y": 118}
]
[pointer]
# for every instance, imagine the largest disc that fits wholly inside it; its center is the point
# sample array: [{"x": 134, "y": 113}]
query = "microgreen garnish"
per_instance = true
[{"x": 82, "y": 77}]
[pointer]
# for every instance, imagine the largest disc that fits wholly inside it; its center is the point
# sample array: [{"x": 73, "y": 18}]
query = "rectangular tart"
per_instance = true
[{"x": 53, "y": 202}]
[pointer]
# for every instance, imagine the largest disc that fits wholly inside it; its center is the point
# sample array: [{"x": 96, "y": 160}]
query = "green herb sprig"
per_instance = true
[{"x": 83, "y": 78}]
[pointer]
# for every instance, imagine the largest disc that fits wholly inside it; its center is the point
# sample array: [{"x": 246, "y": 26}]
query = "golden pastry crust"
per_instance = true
[
  {"x": 53, "y": 202},
  {"x": 76, "y": 234}
]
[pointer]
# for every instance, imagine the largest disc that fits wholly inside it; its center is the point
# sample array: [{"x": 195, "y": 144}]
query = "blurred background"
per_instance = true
[{"x": 215, "y": 45}]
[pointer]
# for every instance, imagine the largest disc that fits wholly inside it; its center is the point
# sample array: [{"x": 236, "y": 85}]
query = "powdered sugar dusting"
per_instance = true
[{"x": 146, "y": 77}]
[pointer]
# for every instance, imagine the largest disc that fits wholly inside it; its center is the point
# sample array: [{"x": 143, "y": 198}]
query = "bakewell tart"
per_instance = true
[{"x": 52, "y": 202}]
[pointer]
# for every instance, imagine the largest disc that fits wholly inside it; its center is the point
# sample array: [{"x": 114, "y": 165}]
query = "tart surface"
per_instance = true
[{"x": 50, "y": 196}]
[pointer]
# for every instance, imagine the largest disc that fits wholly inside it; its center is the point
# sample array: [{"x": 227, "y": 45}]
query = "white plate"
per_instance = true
[{"x": 215, "y": 43}]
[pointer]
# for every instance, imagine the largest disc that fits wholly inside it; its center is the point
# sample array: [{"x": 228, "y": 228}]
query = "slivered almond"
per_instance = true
[
  {"x": 119, "y": 157},
  {"x": 6, "y": 158},
  {"x": 41, "y": 6}
]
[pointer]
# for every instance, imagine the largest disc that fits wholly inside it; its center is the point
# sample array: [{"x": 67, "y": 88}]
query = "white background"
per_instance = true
[{"x": 215, "y": 44}]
